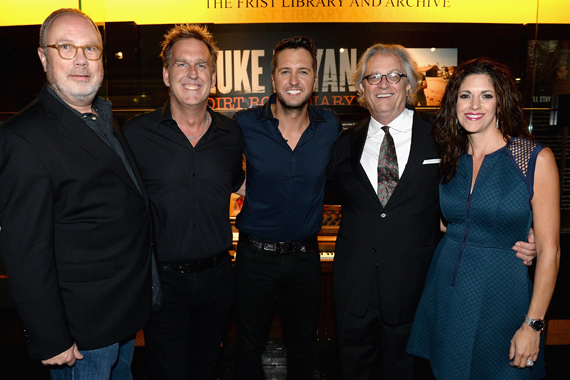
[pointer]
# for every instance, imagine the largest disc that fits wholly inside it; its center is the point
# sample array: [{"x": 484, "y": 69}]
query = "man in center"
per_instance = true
[{"x": 287, "y": 145}]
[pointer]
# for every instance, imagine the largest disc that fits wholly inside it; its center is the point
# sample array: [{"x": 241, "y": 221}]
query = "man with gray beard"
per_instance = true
[{"x": 75, "y": 227}]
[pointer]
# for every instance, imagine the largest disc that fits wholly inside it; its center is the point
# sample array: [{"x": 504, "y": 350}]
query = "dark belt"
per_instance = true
[
  {"x": 283, "y": 247},
  {"x": 194, "y": 266}
]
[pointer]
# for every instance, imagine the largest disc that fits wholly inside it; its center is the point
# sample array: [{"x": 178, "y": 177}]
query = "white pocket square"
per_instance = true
[{"x": 432, "y": 161}]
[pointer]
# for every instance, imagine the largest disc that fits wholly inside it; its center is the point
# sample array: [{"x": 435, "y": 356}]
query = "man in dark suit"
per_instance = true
[
  {"x": 385, "y": 168},
  {"x": 75, "y": 230}
]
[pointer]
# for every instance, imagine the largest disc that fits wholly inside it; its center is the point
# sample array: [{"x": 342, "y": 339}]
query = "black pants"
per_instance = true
[
  {"x": 183, "y": 340},
  {"x": 369, "y": 349},
  {"x": 265, "y": 281}
]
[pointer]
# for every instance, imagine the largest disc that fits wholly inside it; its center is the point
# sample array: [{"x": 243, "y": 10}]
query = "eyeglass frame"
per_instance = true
[
  {"x": 384, "y": 75},
  {"x": 56, "y": 47}
]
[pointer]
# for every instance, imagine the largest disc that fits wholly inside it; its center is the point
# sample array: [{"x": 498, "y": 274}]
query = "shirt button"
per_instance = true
[
  {"x": 94, "y": 118},
  {"x": 382, "y": 215}
]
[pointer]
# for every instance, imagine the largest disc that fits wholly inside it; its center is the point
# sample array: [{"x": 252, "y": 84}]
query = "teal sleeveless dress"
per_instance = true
[{"x": 477, "y": 291}]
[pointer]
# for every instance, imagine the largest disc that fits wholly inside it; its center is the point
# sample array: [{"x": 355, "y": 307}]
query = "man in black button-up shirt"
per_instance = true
[
  {"x": 190, "y": 159},
  {"x": 287, "y": 147}
]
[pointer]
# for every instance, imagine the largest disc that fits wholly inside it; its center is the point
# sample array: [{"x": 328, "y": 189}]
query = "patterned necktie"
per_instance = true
[{"x": 387, "y": 168}]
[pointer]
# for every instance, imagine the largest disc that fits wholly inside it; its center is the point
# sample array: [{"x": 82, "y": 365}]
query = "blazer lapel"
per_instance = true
[
  {"x": 132, "y": 161},
  {"x": 418, "y": 152},
  {"x": 361, "y": 132},
  {"x": 79, "y": 133}
]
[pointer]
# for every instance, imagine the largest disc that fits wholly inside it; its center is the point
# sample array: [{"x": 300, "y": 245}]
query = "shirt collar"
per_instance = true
[
  {"x": 403, "y": 123},
  {"x": 104, "y": 109},
  {"x": 167, "y": 116},
  {"x": 266, "y": 113},
  {"x": 101, "y": 106}
]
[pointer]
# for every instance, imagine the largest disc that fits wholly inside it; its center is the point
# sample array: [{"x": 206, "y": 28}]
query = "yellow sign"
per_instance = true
[{"x": 292, "y": 11}]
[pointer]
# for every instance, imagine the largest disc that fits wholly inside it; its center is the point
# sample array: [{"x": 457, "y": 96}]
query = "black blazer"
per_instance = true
[
  {"x": 397, "y": 241},
  {"x": 75, "y": 232}
]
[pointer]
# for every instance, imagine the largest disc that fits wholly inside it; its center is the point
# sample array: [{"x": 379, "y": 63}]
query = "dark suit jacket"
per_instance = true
[
  {"x": 397, "y": 241},
  {"x": 75, "y": 232}
]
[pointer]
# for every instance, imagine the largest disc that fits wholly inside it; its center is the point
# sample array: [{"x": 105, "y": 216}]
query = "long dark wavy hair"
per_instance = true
[{"x": 451, "y": 138}]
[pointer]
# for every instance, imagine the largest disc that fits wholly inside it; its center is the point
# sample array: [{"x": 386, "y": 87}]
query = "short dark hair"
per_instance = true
[
  {"x": 55, "y": 14},
  {"x": 294, "y": 43},
  {"x": 185, "y": 31}
]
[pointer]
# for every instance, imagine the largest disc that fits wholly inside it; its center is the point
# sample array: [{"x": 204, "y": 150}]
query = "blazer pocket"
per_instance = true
[
  {"x": 431, "y": 161},
  {"x": 86, "y": 272}
]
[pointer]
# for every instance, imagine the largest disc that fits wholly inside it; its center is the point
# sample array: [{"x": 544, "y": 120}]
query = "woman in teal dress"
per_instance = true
[{"x": 480, "y": 317}]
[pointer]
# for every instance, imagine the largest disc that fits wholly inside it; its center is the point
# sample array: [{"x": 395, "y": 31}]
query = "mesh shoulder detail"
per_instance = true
[{"x": 523, "y": 152}]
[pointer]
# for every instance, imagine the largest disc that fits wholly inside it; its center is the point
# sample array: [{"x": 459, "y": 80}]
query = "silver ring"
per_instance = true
[{"x": 529, "y": 363}]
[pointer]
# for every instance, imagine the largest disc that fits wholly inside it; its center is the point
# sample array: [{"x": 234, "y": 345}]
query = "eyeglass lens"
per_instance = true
[
  {"x": 68, "y": 51},
  {"x": 392, "y": 78}
]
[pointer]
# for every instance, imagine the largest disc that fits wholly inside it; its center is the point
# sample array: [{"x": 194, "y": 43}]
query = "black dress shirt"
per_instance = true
[
  {"x": 189, "y": 187},
  {"x": 285, "y": 187}
]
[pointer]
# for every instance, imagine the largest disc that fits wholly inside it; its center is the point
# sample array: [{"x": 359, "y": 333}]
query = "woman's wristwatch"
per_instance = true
[{"x": 536, "y": 324}]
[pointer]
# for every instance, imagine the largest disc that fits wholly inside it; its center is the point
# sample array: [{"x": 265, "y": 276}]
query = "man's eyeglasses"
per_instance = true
[
  {"x": 392, "y": 78},
  {"x": 69, "y": 51}
]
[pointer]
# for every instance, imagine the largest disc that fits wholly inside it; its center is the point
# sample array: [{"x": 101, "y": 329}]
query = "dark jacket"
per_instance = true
[
  {"x": 396, "y": 242},
  {"x": 75, "y": 232}
]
